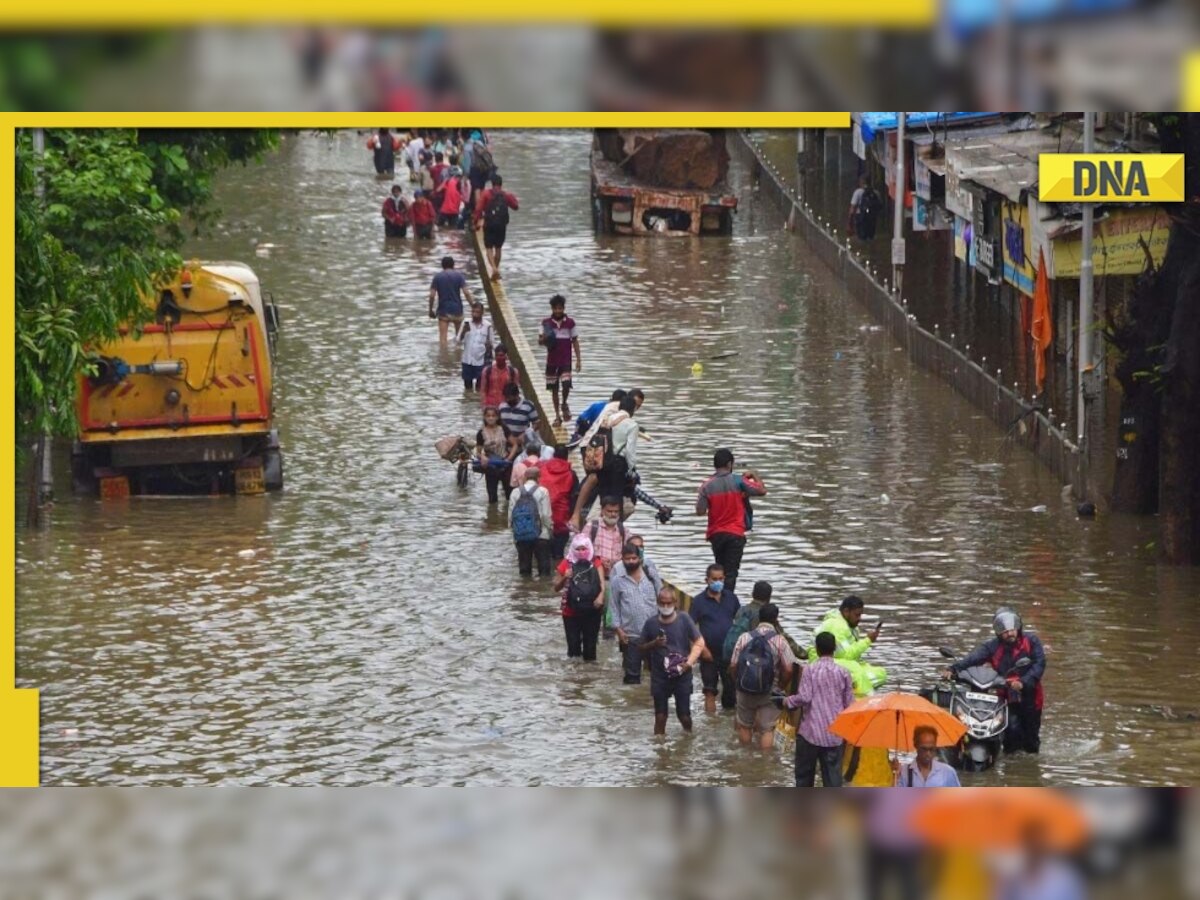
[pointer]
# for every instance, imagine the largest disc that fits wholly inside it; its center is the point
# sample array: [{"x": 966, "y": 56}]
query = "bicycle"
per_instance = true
[{"x": 462, "y": 458}]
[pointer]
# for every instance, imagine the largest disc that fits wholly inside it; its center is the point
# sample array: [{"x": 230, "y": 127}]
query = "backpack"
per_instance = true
[
  {"x": 526, "y": 520},
  {"x": 583, "y": 587},
  {"x": 496, "y": 211},
  {"x": 756, "y": 665},
  {"x": 746, "y": 618},
  {"x": 489, "y": 352},
  {"x": 598, "y": 453},
  {"x": 868, "y": 206},
  {"x": 482, "y": 162}
]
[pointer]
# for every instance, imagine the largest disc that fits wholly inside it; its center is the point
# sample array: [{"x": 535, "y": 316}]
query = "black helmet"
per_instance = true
[{"x": 1006, "y": 619}]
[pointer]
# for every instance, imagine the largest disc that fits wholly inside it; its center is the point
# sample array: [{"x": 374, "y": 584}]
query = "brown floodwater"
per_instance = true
[{"x": 368, "y": 626}]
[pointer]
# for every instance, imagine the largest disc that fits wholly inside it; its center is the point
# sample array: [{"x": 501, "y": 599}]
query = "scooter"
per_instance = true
[{"x": 974, "y": 699}]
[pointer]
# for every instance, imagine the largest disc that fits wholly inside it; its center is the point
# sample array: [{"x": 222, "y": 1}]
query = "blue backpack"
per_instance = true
[
  {"x": 756, "y": 665},
  {"x": 526, "y": 520}
]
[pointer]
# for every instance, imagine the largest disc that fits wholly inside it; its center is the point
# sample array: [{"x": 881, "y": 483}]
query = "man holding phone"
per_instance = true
[{"x": 843, "y": 623}]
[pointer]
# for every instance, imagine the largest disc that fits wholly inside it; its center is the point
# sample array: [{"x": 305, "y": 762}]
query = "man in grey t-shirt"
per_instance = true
[{"x": 673, "y": 644}]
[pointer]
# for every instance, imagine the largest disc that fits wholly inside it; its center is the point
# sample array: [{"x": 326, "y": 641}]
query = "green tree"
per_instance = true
[{"x": 1158, "y": 337}]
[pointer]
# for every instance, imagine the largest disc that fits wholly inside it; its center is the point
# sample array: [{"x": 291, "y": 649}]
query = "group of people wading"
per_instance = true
[{"x": 609, "y": 587}]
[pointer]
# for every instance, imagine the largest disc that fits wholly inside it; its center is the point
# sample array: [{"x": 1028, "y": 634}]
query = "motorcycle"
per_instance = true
[{"x": 973, "y": 698}]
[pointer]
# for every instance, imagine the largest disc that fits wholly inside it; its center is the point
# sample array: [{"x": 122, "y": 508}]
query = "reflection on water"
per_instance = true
[{"x": 368, "y": 625}]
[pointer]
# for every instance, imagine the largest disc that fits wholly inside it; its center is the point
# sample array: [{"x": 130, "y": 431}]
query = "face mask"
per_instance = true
[
  {"x": 716, "y": 586},
  {"x": 611, "y": 521},
  {"x": 666, "y": 612},
  {"x": 641, "y": 553}
]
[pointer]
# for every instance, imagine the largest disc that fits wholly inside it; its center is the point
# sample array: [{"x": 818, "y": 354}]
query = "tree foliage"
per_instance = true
[{"x": 106, "y": 228}]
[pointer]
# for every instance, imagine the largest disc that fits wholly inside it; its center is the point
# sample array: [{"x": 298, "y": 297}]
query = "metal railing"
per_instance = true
[{"x": 927, "y": 349}]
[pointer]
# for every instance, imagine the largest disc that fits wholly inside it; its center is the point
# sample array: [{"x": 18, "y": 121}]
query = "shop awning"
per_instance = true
[
  {"x": 968, "y": 16},
  {"x": 871, "y": 123}
]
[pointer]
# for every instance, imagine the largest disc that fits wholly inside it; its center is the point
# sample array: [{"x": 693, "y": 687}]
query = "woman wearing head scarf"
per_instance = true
[{"x": 580, "y": 579}]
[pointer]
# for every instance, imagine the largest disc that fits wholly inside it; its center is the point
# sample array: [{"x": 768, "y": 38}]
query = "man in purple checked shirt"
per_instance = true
[{"x": 825, "y": 690}]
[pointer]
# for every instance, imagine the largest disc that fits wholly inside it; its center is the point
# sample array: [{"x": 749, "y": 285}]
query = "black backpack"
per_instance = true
[
  {"x": 496, "y": 211},
  {"x": 583, "y": 587},
  {"x": 482, "y": 162},
  {"x": 756, "y": 665},
  {"x": 868, "y": 206}
]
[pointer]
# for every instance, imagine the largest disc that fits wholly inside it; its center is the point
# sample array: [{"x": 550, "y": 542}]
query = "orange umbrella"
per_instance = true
[
  {"x": 887, "y": 721},
  {"x": 997, "y": 818}
]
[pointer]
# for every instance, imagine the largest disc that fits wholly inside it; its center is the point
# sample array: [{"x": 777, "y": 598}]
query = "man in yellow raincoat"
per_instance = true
[
  {"x": 868, "y": 767},
  {"x": 842, "y": 623}
]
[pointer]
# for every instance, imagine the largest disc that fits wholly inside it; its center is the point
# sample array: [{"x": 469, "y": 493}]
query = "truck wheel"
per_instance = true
[{"x": 273, "y": 470}]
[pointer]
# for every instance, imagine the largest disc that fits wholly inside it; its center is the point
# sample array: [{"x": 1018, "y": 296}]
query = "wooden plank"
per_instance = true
[{"x": 521, "y": 354}]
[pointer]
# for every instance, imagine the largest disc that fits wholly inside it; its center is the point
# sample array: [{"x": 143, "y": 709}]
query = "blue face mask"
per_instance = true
[
  {"x": 642, "y": 553},
  {"x": 716, "y": 586}
]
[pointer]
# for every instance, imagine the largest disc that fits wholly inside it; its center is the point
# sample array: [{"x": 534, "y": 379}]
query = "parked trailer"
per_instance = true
[{"x": 621, "y": 204}]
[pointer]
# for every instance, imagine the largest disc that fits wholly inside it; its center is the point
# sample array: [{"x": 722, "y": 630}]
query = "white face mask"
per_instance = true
[{"x": 667, "y": 612}]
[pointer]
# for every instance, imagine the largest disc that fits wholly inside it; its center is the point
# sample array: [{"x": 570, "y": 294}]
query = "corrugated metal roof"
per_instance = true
[{"x": 1008, "y": 163}]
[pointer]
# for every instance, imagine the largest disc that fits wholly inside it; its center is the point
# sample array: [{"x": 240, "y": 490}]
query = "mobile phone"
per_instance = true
[{"x": 879, "y": 625}]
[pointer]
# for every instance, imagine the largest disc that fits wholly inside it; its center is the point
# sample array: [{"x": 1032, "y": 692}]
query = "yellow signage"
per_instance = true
[
  {"x": 1110, "y": 177},
  {"x": 1120, "y": 246}
]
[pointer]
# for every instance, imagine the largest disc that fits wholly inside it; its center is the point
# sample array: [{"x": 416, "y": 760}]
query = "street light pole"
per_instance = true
[
  {"x": 898, "y": 224},
  {"x": 1084, "y": 362}
]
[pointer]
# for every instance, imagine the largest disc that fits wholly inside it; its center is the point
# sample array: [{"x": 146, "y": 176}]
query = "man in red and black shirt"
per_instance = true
[
  {"x": 723, "y": 498},
  {"x": 492, "y": 208},
  {"x": 395, "y": 214}
]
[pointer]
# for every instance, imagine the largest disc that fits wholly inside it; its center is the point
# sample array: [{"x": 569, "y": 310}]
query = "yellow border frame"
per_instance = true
[
  {"x": 76, "y": 14},
  {"x": 19, "y": 709},
  {"x": 1190, "y": 99}
]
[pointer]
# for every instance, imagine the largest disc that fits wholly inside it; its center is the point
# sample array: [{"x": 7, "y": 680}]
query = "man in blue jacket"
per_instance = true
[
  {"x": 1024, "y": 688},
  {"x": 713, "y": 610}
]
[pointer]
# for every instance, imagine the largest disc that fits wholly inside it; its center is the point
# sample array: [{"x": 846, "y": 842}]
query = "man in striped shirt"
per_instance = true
[
  {"x": 825, "y": 690},
  {"x": 517, "y": 415}
]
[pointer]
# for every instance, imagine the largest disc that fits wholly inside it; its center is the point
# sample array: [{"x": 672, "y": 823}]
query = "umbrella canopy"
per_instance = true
[
  {"x": 989, "y": 818},
  {"x": 887, "y": 721}
]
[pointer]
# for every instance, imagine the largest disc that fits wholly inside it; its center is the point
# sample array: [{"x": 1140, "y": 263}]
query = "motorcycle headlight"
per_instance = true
[
  {"x": 997, "y": 719},
  {"x": 965, "y": 719}
]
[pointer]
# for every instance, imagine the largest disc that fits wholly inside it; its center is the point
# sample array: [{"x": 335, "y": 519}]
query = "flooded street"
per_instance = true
[{"x": 368, "y": 626}]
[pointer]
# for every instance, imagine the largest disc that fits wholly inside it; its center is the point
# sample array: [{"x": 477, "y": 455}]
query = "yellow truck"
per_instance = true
[{"x": 184, "y": 403}]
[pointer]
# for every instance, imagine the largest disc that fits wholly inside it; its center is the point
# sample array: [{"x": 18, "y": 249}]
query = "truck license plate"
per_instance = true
[
  {"x": 114, "y": 488},
  {"x": 250, "y": 480}
]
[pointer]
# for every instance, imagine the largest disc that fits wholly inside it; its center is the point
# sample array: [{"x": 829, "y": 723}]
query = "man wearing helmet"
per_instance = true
[{"x": 1024, "y": 688}]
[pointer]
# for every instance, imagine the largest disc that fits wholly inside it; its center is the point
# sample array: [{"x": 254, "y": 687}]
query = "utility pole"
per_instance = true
[
  {"x": 898, "y": 224},
  {"x": 1084, "y": 361},
  {"x": 45, "y": 484}
]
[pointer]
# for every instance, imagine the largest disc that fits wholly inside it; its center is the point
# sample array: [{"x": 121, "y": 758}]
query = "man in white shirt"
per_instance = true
[
  {"x": 413, "y": 155},
  {"x": 477, "y": 338},
  {"x": 926, "y": 770}
]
